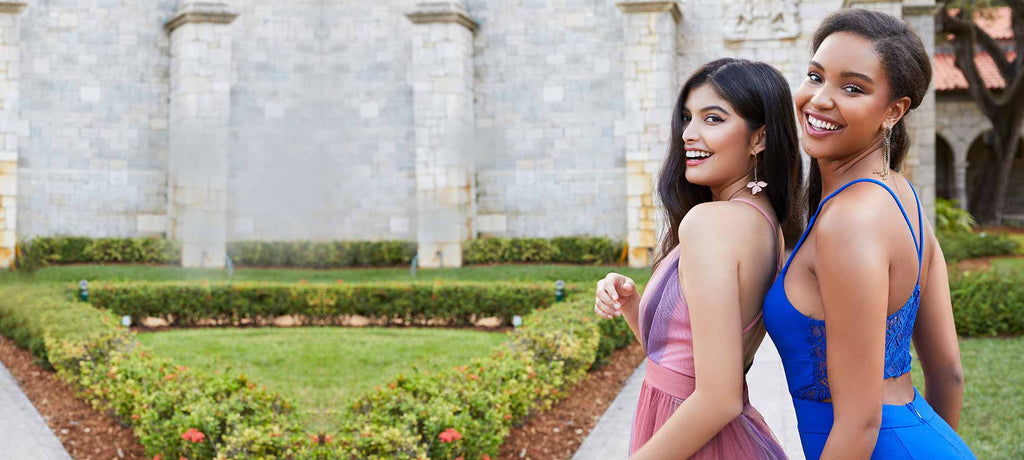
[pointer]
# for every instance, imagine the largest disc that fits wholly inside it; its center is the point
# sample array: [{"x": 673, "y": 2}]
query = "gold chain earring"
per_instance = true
[
  {"x": 755, "y": 185},
  {"x": 886, "y": 152}
]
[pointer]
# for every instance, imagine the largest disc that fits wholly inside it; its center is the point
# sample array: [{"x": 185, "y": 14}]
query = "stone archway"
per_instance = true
[
  {"x": 945, "y": 170},
  {"x": 1014, "y": 198}
]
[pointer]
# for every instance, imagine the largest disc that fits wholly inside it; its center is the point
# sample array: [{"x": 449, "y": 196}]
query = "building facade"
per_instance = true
[{"x": 211, "y": 122}]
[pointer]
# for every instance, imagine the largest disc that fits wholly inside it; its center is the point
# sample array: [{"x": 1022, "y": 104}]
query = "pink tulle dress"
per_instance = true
[{"x": 665, "y": 333}]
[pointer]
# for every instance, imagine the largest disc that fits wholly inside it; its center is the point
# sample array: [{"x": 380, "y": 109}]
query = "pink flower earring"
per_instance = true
[{"x": 755, "y": 185}]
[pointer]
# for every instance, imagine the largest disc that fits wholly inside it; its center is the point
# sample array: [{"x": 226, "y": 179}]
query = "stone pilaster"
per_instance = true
[
  {"x": 9, "y": 123},
  {"x": 200, "y": 79},
  {"x": 442, "y": 82},
  {"x": 649, "y": 72},
  {"x": 920, "y": 164}
]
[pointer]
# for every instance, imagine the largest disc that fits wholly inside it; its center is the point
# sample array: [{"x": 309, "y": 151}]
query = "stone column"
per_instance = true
[
  {"x": 200, "y": 78},
  {"x": 920, "y": 164},
  {"x": 9, "y": 127},
  {"x": 649, "y": 72},
  {"x": 442, "y": 83}
]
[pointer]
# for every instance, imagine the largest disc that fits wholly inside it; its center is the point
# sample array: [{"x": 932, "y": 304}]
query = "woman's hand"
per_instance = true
[{"x": 616, "y": 293}]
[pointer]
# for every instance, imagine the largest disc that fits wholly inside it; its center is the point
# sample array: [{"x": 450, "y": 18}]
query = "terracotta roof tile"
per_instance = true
[{"x": 949, "y": 78}]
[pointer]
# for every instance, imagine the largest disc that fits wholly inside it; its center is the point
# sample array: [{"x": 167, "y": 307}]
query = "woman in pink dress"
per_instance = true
[{"x": 726, "y": 185}]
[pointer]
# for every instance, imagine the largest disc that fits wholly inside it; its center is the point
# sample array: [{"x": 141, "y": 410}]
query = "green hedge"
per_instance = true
[
  {"x": 966, "y": 245},
  {"x": 169, "y": 407},
  {"x": 468, "y": 411},
  {"x": 191, "y": 303},
  {"x": 989, "y": 302},
  {"x": 327, "y": 254},
  {"x": 573, "y": 250},
  {"x": 42, "y": 251}
]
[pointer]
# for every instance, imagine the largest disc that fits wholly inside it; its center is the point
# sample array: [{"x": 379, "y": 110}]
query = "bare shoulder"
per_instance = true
[
  {"x": 852, "y": 221},
  {"x": 721, "y": 224}
]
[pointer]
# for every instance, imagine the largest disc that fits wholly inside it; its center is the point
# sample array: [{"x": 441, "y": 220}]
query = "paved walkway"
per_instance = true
[
  {"x": 23, "y": 432},
  {"x": 609, "y": 439}
]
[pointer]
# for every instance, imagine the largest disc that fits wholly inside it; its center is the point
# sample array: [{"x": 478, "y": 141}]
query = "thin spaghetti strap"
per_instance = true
[
  {"x": 814, "y": 218},
  {"x": 920, "y": 230},
  {"x": 753, "y": 323},
  {"x": 771, "y": 223},
  {"x": 781, "y": 251}
]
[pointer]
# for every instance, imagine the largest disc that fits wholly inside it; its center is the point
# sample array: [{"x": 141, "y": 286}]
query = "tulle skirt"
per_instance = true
[{"x": 663, "y": 390}]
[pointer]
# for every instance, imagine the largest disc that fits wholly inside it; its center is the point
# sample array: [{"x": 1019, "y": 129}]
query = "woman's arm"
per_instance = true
[
  {"x": 708, "y": 270},
  {"x": 852, "y": 266},
  {"x": 935, "y": 341},
  {"x": 617, "y": 295}
]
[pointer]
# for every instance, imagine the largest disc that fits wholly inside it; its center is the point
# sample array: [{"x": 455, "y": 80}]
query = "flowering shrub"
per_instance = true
[
  {"x": 467, "y": 411},
  {"x": 454, "y": 303},
  {"x": 175, "y": 411}
]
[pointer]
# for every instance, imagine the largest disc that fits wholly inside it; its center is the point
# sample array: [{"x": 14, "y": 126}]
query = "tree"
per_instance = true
[{"x": 1005, "y": 109}]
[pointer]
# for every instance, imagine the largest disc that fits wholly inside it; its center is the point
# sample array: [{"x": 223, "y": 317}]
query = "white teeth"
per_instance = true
[
  {"x": 697, "y": 154},
  {"x": 821, "y": 124}
]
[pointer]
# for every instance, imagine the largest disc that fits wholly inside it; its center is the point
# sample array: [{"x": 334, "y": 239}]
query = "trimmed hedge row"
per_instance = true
[
  {"x": 327, "y": 254},
  {"x": 175, "y": 411},
  {"x": 989, "y": 302},
  {"x": 966, "y": 245},
  {"x": 468, "y": 411},
  {"x": 42, "y": 251},
  {"x": 452, "y": 303},
  {"x": 573, "y": 250}
]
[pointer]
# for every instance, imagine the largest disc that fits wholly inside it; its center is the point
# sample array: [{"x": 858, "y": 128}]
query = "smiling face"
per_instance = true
[
  {"x": 845, "y": 99},
  {"x": 717, "y": 140}
]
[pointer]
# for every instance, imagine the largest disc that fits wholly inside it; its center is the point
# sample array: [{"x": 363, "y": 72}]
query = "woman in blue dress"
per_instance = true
[{"x": 867, "y": 276}]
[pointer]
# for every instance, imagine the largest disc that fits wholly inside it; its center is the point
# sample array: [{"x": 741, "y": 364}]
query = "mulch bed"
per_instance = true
[
  {"x": 86, "y": 433},
  {"x": 558, "y": 433},
  {"x": 983, "y": 263}
]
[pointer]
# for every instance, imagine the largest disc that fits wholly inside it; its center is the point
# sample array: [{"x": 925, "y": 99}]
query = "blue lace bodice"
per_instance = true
[{"x": 801, "y": 340}]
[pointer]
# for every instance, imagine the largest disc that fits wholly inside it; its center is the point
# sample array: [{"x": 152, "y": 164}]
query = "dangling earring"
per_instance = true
[
  {"x": 886, "y": 153},
  {"x": 755, "y": 185}
]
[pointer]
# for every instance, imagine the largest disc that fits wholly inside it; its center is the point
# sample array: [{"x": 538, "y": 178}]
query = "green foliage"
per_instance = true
[
  {"x": 42, "y": 251},
  {"x": 168, "y": 406},
  {"x": 951, "y": 219},
  {"x": 967, "y": 245},
  {"x": 193, "y": 303},
  {"x": 467, "y": 411},
  {"x": 574, "y": 250},
  {"x": 327, "y": 254},
  {"x": 989, "y": 302}
]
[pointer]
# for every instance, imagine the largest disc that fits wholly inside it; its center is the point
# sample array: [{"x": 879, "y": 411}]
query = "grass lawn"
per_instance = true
[
  {"x": 992, "y": 422},
  {"x": 1008, "y": 263},
  {"x": 321, "y": 368},
  {"x": 541, "y": 273}
]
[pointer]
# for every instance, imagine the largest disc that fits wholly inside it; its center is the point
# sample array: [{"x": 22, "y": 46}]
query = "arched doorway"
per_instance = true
[
  {"x": 945, "y": 174},
  {"x": 1014, "y": 207}
]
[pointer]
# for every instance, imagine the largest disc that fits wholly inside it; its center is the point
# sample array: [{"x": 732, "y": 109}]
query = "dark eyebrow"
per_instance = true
[
  {"x": 714, "y": 107},
  {"x": 847, "y": 73}
]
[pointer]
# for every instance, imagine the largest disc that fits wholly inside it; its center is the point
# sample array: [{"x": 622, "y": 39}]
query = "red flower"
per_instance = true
[
  {"x": 341, "y": 282},
  {"x": 158, "y": 457},
  {"x": 193, "y": 435},
  {"x": 302, "y": 281},
  {"x": 473, "y": 376},
  {"x": 135, "y": 416},
  {"x": 485, "y": 457},
  {"x": 508, "y": 416},
  {"x": 449, "y": 435},
  {"x": 459, "y": 458}
]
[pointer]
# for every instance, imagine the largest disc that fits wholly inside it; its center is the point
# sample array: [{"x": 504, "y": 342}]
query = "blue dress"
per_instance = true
[{"x": 912, "y": 430}]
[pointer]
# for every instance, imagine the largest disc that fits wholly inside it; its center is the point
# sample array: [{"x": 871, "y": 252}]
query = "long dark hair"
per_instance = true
[
  {"x": 759, "y": 94},
  {"x": 906, "y": 64}
]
